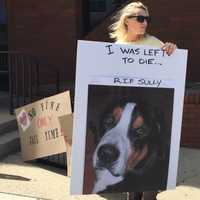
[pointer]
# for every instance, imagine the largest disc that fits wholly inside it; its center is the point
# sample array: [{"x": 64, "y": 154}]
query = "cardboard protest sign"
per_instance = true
[
  {"x": 127, "y": 119},
  {"x": 41, "y": 133}
]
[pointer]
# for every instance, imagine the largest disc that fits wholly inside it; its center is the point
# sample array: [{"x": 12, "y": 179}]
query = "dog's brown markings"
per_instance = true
[
  {"x": 136, "y": 157},
  {"x": 138, "y": 122},
  {"x": 117, "y": 113}
]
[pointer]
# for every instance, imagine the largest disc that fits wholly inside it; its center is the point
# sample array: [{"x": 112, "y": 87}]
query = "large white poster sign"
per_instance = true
[{"x": 127, "y": 119}]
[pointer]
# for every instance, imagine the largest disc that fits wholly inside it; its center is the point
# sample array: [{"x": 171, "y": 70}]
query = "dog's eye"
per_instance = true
[
  {"x": 109, "y": 122},
  {"x": 139, "y": 133}
]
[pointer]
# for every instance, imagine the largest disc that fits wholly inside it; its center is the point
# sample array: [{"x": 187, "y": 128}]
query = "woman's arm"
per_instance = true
[{"x": 169, "y": 47}]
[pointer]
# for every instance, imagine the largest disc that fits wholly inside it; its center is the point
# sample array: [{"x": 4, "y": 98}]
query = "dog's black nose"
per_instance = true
[{"x": 108, "y": 153}]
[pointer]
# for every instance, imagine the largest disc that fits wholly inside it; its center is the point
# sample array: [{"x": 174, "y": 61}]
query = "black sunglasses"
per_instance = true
[{"x": 141, "y": 18}]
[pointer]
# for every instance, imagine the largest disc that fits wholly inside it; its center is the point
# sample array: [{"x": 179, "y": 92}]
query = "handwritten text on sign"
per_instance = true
[
  {"x": 138, "y": 55},
  {"x": 137, "y": 81},
  {"x": 44, "y": 122}
]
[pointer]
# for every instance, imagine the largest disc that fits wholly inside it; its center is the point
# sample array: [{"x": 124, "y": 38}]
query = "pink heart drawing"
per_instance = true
[{"x": 23, "y": 119}]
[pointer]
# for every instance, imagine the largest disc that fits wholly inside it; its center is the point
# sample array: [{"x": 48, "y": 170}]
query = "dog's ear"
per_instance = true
[
  {"x": 154, "y": 119},
  {"x": 159, "y": 120},
  {"x": 161, "y": 133}
]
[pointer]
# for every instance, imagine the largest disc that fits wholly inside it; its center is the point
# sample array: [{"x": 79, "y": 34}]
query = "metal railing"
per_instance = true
[
  {"x": 27, "y": 79},
  {"x": 31, "y": 78}
]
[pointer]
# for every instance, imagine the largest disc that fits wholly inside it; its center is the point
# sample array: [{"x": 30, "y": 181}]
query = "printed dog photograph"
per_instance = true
[{"x": 128, "y": 137}]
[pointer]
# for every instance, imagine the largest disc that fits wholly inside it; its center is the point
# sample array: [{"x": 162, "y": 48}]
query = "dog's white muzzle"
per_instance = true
[{"x": 118, "y": 149}]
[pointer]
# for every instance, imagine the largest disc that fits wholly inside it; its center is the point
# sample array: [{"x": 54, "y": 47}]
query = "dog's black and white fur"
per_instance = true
[{"x": 130, "y": 148}]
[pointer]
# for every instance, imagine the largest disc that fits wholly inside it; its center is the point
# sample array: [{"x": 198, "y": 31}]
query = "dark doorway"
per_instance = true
[{"x": 93, "y": 13}]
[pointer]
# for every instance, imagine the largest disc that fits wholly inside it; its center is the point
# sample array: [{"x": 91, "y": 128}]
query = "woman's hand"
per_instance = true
[{"x": 169, "y": 48}]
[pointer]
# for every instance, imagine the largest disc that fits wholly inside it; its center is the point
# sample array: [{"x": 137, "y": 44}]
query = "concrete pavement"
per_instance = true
[
  {"x": 39, "y": 181},
  {"x": 188, "y": 181},
  {"x": 5, "y": 196},
  {"x": 35, "y": 181}
]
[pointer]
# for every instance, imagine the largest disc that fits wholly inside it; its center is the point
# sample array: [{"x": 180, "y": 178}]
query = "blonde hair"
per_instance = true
[{"x": 118, "y": 28}]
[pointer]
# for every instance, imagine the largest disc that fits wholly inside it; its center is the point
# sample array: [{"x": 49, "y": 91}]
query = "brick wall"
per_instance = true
[
  {"x": 45, "y": 28},
  {"x": 191, "y": 120},
  {"x": 177, "y": 22}
]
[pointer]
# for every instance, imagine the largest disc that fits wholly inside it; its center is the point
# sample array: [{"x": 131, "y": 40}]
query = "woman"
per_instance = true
[
  {"x": 130, "y": 28},
  {"x": 131, "y": 25}
]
